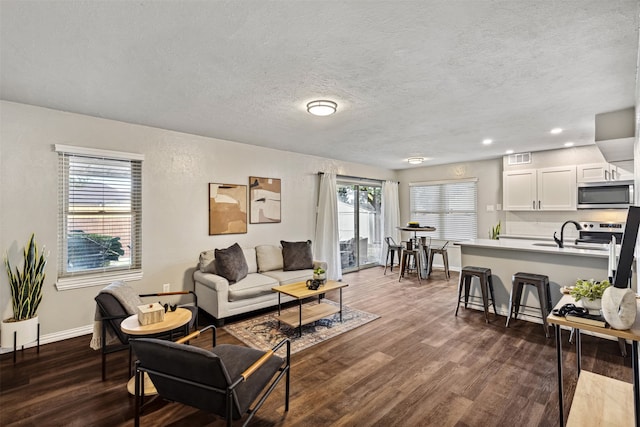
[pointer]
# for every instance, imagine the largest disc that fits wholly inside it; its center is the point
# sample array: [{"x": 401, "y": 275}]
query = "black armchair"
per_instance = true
[
  {"x": 111, "y": 313},
  {"x": 225, "y": 381}
]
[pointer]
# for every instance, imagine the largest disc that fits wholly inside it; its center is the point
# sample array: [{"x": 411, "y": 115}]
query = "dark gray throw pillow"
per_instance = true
[
  {"x": 231, "y": 263},
  {"x": 296, "y": 255}
]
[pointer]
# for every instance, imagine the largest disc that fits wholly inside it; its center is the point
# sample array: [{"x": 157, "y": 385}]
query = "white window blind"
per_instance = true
[
  {"x": 450, "y": 206},
  {"x": 100, "y": 217}
]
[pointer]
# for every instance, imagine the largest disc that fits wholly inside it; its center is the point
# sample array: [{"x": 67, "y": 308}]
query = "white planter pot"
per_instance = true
[
  {"x": 596, "y": 304},
  {"x": 26, "y": 332}
]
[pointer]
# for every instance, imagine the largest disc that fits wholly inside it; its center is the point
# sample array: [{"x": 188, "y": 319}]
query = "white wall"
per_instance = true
[
  {"x": 176, "y": 173},
  {"x": 489, "y": 175}
]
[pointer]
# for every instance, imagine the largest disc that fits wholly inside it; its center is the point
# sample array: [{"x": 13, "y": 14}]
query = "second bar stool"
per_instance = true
[
  {"x": 541, "y": 282},
  {"x": 410, "y": 256},
  {"x": 442, "y": 250},
  {"x": 486, "y": 288}
]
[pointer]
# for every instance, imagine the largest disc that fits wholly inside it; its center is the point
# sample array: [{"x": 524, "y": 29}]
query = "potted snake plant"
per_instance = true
[{"x": 26, "y": 295}]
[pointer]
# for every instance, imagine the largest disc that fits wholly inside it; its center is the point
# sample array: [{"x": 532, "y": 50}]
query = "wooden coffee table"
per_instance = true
[{"x": 312, "y": 313}]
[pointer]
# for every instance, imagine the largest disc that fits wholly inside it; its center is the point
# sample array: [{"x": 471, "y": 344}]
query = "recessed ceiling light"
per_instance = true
[
  {"x": 415, "y": 160},
  {"x": 509, "y": 151},
  {"x": 568, "y": 144},
  {"x": 556, "y": 131},
  {"x": 322, "y": 107},
  {"x": 487, "y": 141}
]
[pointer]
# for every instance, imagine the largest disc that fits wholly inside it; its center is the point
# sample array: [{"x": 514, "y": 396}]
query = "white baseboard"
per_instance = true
[{"x": 56, "y": 336}]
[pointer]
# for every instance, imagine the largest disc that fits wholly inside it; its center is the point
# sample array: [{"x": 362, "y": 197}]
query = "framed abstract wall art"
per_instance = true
[
  {"x": 264, "y": 200},
  {"x": 227, "y": 209}
]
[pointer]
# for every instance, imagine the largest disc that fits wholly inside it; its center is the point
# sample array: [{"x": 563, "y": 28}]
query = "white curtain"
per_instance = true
[
  {"x": 390, "y": 216},
  {"x": 327, "y": 245}
]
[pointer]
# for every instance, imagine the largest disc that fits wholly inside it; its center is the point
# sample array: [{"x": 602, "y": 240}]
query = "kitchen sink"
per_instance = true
[{"x": 572, "y": 246}]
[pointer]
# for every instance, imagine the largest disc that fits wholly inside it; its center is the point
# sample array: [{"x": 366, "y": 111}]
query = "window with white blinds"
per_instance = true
[
  {"x": 450, "y": 206},
  {"x": 100, "y": 217}
]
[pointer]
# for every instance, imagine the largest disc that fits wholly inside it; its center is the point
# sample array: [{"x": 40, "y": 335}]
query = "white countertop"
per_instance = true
[
  {"x": 541, "y": 246},
  {"x": 525, "y": 237}
]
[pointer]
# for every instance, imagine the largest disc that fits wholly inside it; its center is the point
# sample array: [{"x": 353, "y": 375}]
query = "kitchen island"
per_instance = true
[{"x": 509, "y": 256}]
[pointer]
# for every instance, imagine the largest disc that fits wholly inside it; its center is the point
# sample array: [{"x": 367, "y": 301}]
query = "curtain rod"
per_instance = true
[{"x": 359, "y": 177}]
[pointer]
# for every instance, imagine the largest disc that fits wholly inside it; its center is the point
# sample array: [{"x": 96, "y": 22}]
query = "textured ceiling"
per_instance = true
[{"x": 412, "y": 78}]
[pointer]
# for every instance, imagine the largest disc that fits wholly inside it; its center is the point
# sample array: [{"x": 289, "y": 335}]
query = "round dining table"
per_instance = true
[
  {"x": 416, "y": 229},
  {"x": 425, "y": 249}
]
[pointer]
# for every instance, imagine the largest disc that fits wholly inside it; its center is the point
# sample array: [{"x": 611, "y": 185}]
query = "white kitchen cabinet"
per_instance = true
[
  {"x": 598, "y": 172},
  {"x": 546, "y": 189},
  {"x": 624, "y": 170}
]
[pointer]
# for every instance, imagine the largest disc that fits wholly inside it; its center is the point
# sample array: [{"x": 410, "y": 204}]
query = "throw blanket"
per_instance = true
[{"x": 129, "y": 300}]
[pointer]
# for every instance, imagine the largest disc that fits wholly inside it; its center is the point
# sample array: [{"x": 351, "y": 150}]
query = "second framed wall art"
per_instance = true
[{"x": 264, "y": 200}]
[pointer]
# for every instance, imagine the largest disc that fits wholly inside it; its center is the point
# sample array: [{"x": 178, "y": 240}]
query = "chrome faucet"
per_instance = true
[{"x": 560, "y": 241}]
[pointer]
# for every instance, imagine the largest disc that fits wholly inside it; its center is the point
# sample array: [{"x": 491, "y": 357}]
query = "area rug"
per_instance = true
[{"x": 263, "y": 332}]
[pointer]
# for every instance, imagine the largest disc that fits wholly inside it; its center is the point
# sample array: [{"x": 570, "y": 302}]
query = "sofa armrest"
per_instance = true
[
  {"x": 218, "y": 283},
  {"x": 320, "y": 264}
]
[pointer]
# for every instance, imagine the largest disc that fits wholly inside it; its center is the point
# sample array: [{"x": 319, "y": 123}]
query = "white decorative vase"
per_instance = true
[
  {"x": 596, "y": 304},
  {"x": 26, "y": 332},
  {"x": 619, "y": 307}
]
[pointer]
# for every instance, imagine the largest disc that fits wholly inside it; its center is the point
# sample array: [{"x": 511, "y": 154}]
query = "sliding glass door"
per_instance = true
[{"x": 359, "y": 224}]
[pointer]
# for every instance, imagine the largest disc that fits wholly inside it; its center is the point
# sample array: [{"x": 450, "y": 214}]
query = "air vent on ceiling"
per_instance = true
[{"x": 519, "y": 158}]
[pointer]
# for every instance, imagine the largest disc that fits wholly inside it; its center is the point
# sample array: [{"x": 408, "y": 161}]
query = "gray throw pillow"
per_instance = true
[
  {"x": 231, "y": 264},
  {"x": 296, "y": 255}
]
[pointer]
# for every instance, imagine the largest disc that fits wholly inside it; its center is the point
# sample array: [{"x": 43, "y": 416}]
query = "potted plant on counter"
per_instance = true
[
  {"x": 26, "y": 295},
  {"x": 590, "y": 292}
]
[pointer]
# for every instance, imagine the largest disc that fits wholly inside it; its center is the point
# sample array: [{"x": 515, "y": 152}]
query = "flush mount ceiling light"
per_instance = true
[
  {"x": 322, "y": 108},
  {"x": 415, "y": 160},
  {"x": 556, "y": 131},
  {"x": 487, "y": 141}
]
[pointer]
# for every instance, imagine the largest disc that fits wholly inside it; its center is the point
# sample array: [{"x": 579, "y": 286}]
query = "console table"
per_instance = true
[{"x": 599, "y": 400}]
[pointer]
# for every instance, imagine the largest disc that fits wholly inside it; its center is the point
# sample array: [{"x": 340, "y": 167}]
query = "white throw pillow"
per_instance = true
[
  {"x": 269, "y": 258},
  {"x": 208, "y": 261},
  {"x": 250, "y": 256}
]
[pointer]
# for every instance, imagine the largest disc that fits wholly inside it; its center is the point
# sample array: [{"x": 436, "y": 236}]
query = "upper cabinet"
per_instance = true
[
  {"x": 597, "y": 172},
  {"x": 546, "y": 189},
  {"x": 624, "y": 170}
]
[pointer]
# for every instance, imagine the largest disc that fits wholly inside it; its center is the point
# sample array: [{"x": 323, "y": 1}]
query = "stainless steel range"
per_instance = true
[{"x": 600, "y": 232}]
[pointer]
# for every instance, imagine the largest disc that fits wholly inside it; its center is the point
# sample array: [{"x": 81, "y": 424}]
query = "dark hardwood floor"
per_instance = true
[{"x": 416, "y": 365}]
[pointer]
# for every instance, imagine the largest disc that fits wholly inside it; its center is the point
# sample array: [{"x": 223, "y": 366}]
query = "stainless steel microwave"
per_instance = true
[{"x": 605, "y": 195}]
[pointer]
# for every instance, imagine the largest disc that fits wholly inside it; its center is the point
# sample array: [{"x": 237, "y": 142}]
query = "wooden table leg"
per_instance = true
[{"x": 559, "y": 367}]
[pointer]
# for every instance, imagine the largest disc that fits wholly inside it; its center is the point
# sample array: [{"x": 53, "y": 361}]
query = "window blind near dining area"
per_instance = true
[{"x": 450, "y": 206}]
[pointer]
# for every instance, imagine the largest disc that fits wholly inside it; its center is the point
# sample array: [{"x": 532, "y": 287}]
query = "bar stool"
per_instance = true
[
  {"x": 541, "y": 282},
  {"x": 486, "y": 288},
  {"x": 445, "y": 258},
  {"x": 409, "y": 256},
  {"x": 392, "y": 248}
]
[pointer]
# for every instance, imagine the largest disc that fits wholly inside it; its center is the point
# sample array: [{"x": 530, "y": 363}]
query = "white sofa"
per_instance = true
[{"x": 265, "y": 270}]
